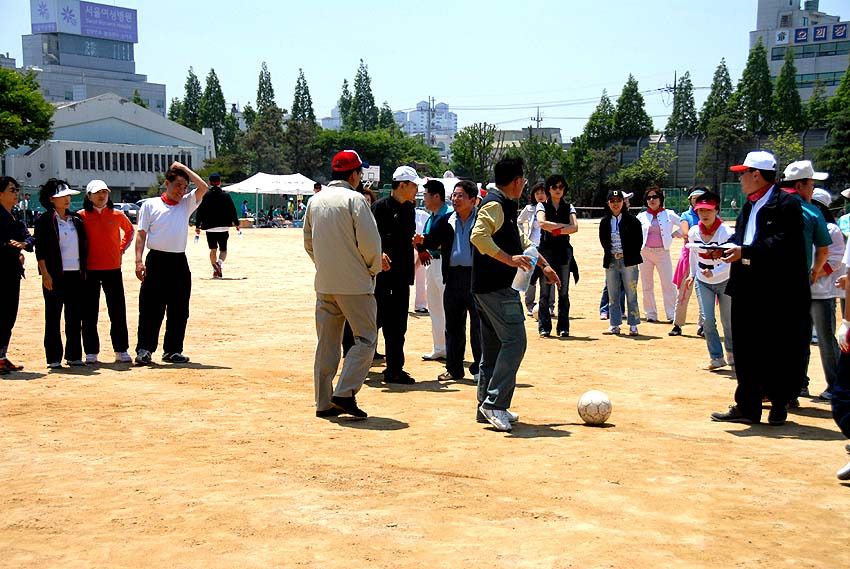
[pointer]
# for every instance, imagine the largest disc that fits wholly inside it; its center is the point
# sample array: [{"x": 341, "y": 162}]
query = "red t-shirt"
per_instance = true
[{"x": 109, "y": 233}]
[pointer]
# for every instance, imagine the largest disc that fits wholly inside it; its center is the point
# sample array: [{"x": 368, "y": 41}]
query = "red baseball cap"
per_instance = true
[{"x": 347, "y": 160}]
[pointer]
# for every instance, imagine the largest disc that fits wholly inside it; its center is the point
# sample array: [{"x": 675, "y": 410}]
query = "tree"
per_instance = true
[
  {"x": 175, "y": 109},
  {"x": 190, "y": 108},
  {"x": 651, "y": 169},
  {"x": 301, "y": 147},
  {"x": 787, "y": 107},
  {"x": 249, "y": 114},
  {"x": 754, "y": 95},
  {"x": 229, "y": 136},
  {"x": 385, "y": 117},
  {"x": 834, "y": 156},
  {"x": 25, "y": 117},
  {"x": 137, "y": 99},
  {"x": 841, "y": 99},
  {"x": 265, "y": 142},
  {"x": 475, "y": 151},
  {"x": 302, "y": 104},
  {"x": 599, "y": 129},
  {"x": 265, "y": 91},
  {"x": 630, "y": 118},
  {"x": 817, "y": 109},
  {"x": 213, "y": 108},
  {"x": 683, "y": 120},
  {"x": 786, "y": 146},
  {"x": 344, "y": 105},
  {"x": 724, "y": 134},
  {"x": 538, "y": 154},
  {"x": 718, "y": 98},
  {"x": 364, "y": 113}
]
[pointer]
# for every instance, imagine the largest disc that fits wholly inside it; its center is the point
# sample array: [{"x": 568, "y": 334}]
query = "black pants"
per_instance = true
[
  {"x": 544, "y": 321},
  {"x": 841, "y": 395},
  {"x": 67, "y": 294},
  {"x": 768, "y": 364},
  {"x": 10, "y": 292},
  {"x": 113, "y": 289},
  {"x": 458, "y": 302},
  {"x": 164, "y": 293},
  {"x": 393, "y": 296}
]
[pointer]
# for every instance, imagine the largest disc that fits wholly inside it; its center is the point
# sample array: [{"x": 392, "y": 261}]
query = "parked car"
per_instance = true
[{"x": 131, "y": 210}]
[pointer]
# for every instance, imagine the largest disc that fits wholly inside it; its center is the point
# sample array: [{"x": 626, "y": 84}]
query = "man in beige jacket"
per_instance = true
[{"x": 342, "y": 239}]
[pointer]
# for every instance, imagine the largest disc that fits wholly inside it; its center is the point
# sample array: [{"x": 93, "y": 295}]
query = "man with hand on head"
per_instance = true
[{"x": 166, "y": 280}]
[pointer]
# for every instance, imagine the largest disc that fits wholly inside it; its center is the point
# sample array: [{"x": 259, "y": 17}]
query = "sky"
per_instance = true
[{"x": 493, "y": 61}]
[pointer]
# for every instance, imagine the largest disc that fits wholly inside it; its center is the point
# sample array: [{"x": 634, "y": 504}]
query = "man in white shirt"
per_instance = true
[{"x": 166, "y": 280}]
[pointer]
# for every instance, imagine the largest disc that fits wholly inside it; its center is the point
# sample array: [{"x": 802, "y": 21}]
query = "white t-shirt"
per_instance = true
[
  {"x": 166, "y": 225},
  {"x": 528, "y": 216},
  {"x": 69, "y": 244}
]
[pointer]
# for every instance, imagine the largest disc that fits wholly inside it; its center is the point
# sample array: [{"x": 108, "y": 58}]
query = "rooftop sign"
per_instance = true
[{"x": 84, "y": 19}]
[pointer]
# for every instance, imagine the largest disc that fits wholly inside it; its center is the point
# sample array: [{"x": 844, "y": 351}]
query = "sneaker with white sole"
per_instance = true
[
  {"x": 175, "y": 358},
  {"x": 123, "y": 357},
  {"x": 633, "y": 331},
  {"x": 612, "y": 331},
  {"x": 498, "y": 418},
  {"x": 54, "y": 365},
  {"x": 716, "y": 364},
  {"x": 75, "y": 363},
  {"x": 143, "y": 358},
  {"x": 91, "y": 359},
  {"x": 512, "y": 417}
]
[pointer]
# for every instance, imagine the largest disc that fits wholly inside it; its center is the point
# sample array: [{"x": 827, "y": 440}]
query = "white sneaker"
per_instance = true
[
  {"x": 433, "y": 356},
  {"x": 716, "y": 363},
  {"x": 91, "y": 358},
  {"x": 612, "y": 331},
  {"x": 512, "y": 417},
  {"x": 54, "y": 365},
  {"x": 633, "y": 331},
  {"x": 844, "y": 473},
  {"x": 123, "y": 357},
  {"x": 498, "y": 418}
]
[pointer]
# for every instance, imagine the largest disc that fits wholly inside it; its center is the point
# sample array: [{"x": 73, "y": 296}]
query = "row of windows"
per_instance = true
[
  {"x": 95, "y": 47},
  {"x": 122, "y": 161},
  {"x": 812, "y": 50},
  {"x": 807, "y": 80}
]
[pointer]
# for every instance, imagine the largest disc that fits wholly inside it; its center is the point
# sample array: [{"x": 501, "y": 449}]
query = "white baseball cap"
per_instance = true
[
  {"x": 95, "y": 186},
  {"x": 62, "y": 190},
  {"x": 803, "y": 170},
  {"x": 822, "y": 196},
  {"x": 759, "y": 160},
  {"x": 406, "y": 174}
]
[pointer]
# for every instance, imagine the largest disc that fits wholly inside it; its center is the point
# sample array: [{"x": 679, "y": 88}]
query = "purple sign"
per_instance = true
[
  {"x": 820, "y": 33},
  {"x": 108, "y": 22},
  {"x": 801, "y": 35}
]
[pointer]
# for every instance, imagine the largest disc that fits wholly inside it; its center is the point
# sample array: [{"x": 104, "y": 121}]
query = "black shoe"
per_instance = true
[
  {"x": 676, "y": 331},
  {"x": 379, "y": 356},
  {"x": 347, "y": 405},
  {"x": 652, "y": 320},
  {"x": 401, "y": 377},
  {"x": 175, "y": 358},
  {"x": 777, "y": 416},
  {"x": 700, "y": 332},
  {"x": 793, "y": 404},
  {"x": 804, "y": 391},
  {"x": 563, "y": 334},
  {"x": 446, "y": 376},
  {"x": 332, "y": 412},
  {"x": 733, "y": 415},
  {"x": 545, "y": 334}
]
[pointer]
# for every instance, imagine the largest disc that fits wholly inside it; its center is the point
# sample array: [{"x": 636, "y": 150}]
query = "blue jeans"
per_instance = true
[
  {"x": 823, "y": 318},
  {"x": 708, "y": 294},
  {"x": 544, "y": 320},
  {"x": 503, "y": 343},
  {"x": 619, "y": 277},
  {"x": 604, "y": 300}
]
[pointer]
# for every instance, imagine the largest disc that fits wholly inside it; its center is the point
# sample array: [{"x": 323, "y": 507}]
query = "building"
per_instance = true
[
  {"x": 80, "y": 50},
  {"x": 109, "y": 138},
  {"x": 820, "y": 42},
  {"x": 333, "y": 122},
  {"x": 437, "y": 120},
  {"x": 514, "y": 137}
]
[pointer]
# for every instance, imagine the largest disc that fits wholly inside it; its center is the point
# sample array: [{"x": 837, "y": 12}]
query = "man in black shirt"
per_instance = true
[{"x": 397, "y": 226}]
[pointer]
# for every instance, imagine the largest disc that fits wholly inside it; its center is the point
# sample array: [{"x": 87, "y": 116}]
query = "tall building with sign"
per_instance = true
[
  {"x": 821, "y": 42},
  {"x": 81, "y": 50}
]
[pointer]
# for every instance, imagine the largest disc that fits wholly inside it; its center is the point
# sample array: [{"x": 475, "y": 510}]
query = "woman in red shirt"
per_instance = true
[{"x": 109, "y": 234}]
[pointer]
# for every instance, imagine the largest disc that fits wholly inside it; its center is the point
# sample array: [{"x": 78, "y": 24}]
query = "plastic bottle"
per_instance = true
[
  {"x": 523, "y": 278},
  {"x": 197, "y": 238}
]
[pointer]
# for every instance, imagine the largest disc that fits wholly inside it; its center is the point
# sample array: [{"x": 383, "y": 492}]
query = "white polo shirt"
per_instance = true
[{"x": 166, "y": 225}]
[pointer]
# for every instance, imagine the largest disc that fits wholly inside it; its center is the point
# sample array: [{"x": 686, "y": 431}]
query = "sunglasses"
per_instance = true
[{"x": 653, "y": 197}]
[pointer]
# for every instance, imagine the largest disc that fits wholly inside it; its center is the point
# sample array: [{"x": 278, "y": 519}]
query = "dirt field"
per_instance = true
[{"x": 221, "y": 462}]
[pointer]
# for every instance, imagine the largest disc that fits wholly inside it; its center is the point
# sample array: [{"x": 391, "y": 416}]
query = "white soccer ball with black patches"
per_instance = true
[{"x": 594, "y": 407}]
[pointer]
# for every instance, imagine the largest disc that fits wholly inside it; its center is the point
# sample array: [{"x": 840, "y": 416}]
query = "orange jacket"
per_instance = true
[{"x": 109, "y": 233}]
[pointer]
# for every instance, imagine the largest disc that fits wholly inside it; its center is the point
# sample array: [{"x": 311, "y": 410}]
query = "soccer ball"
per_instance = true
[{"x": 594, "y": 407}]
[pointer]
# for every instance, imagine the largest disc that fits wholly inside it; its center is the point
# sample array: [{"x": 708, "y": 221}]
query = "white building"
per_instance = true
[
  {"x": 442, "y": 121},
  {"x": 109, "y": 138},
  {"x": 333, "y": 122}
]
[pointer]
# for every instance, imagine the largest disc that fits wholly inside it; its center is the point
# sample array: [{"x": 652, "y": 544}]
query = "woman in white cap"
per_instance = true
[
  {"x": 824, "y": 293},
  {"x": 109, "y": 234},
  {"x": 60, "y": 248},
  {"x": 659, "y": 225},
  {"x": 680, "y": 275}
]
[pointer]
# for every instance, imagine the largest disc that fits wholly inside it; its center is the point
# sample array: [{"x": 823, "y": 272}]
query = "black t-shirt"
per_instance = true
[
  {"x": 555, "y": 247},
  {"x": 396, "y": 225}
]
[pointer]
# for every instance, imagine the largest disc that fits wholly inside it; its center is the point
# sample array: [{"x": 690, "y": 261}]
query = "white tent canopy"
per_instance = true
[{"x": 285, "y": 184}]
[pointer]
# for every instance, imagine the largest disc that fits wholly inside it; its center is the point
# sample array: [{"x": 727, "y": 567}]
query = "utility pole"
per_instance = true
[
  {"x": 538, "y": 119},
  {"x": 428, "y": 125}
]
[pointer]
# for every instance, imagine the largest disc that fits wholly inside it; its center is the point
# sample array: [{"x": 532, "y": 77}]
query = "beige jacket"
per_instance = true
[{"x": 342, "y": 239}]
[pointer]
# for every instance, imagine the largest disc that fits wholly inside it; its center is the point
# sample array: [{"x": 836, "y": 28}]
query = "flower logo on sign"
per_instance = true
[
  {"x": 43, "y": 11},
  {"x": 69, "y": 16}
]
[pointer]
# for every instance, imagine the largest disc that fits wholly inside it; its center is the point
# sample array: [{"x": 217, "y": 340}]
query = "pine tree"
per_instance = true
[
  {"x": 265, "y": 91},
  {"x": 683, "y": 120},
  {"x": 385, "y": 116},
  {"x": 175, "y": 109},
  {"x": 364, "y": 113},
  {"x": 834, "y": 156},
  {"x": 817, "y": 109},
  {"x": 718, "y": 98},
  {"x": 344, "y": 105},
  {"x": 213, "y": 108},
  {"x": 599, "y": 130},
  {"x": 190, "y": 110},
  {"x": 755, "y": 92},
  {"x": 249, "y": 114},
  {"x": 630, "y": 117},
  {"x": 302, "y": 104},
  {"x": 229, "y": 135},
  {"x": 841, "y": 100},
  {"x": 787, "y": 107},
  {"x": 137, "y": 99}
]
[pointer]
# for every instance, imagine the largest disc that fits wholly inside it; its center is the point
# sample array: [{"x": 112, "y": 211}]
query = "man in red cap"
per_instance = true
[
  {"x": 769, "y": 286},
  {"x": 341, "y": 237}
]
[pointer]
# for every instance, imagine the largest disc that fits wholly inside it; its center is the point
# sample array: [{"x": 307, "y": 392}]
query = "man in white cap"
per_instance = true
[
  {"x": 397, "y": 227},
  {"x": 769, "y": 286}
]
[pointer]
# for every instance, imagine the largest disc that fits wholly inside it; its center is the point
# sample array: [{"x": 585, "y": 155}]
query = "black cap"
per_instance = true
[
  {"x": 615, "y": 194},
  {"x": 214, "y": 177}
]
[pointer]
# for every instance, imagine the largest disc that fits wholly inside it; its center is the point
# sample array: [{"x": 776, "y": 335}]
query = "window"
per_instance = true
[
  {"x": 69, "y": 159},
  {"x": 189, "y": 160},
  {"x": 115, "y": 161},
  {"x": 76, "y": 159},
  {"x": 827, "y": 49},
  {"x": 106, "y": 164},
  {"x": 777, "y": 53},
  {"x": 135, "y": 162},
  {"x": 69, "y": 95},
  {"x": 85, "y": 160},
  {"x": 785, "y": 21},
  {"x": 92, "y": 159},
  {"x": 121, "y": 161},
  {"x": 99, "y": 161},
  {"x": 150, "y": 162},
  {"x": 810, "y": 51},
  {"x": 129, "y": 162}
]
